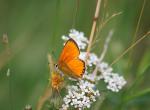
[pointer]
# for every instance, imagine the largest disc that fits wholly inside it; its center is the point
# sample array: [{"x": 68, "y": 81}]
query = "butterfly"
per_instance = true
[{"x": 69, "y": 62}]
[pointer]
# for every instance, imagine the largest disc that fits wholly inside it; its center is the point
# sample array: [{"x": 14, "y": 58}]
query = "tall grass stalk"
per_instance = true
[
  {"x": 130, "y": 47},
  {"x": 137, "y": 28}
]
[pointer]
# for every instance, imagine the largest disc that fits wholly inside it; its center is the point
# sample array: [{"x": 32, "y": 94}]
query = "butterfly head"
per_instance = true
[{"x": 58, "y": 70}]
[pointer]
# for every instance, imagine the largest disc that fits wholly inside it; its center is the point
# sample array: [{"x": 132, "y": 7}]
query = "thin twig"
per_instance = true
[
  {"x": 106, "y": 45},
  {"x": 93, "y": 27},
  {"x": 104, "y": 50},
  {"x": 100, "y": 27},
  {"x": 108, "y": 19},
  {"x": 43, "y": 98},
  {"x": 129, "y": 48}
]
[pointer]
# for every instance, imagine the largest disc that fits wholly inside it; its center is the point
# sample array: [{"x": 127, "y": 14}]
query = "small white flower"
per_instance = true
[
  {"x": 114, "y": 81},
  {"x": 80, "y": 96},
  {"x": 79, "y": 37}
]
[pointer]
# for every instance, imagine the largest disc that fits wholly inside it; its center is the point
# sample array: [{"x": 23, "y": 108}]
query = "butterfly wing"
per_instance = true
[
  {"x": 69, "y": 62},
  {"x": 76, "y": 66},
  {"x": 69, "y": 52}
]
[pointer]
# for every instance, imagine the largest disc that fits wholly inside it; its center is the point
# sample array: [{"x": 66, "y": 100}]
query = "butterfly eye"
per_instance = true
[{"x": 56, "y": 66}]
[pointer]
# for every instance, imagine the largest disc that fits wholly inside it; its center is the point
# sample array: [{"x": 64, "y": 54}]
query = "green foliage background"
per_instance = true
[{"x": 35, "y": 27}]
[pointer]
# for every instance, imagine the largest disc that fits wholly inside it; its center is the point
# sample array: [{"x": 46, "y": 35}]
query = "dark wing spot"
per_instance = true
[
  {"x": 74, "y": 43},
  {"x": 83, "y": 67}
]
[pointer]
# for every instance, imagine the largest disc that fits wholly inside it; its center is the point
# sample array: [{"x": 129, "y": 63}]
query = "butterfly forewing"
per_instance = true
[
  {"x": 69, "y": 62},
  {"x": 69, "y": 52}
]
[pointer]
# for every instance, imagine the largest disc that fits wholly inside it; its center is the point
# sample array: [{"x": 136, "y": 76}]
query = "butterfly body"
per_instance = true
[{"x": 69, "y": 62}]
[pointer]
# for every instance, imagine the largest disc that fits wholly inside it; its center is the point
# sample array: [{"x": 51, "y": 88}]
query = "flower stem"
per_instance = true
[
  {"x": 93, "y": 27},
  {"x": 48, "y": 90}
]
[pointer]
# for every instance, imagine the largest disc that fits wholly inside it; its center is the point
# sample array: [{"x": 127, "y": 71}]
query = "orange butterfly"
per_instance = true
[{"x": 69, "y": 62}]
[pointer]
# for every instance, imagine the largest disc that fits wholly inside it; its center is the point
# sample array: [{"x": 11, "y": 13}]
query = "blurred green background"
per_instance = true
[{"x": 35, "y": 27}]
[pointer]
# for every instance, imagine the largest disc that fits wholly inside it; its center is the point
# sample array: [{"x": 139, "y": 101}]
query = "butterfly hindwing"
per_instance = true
[{"x": 77, "y": 67}]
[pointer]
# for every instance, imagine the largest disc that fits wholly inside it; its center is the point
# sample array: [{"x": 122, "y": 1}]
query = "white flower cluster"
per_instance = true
[
  {"x": 79, "y": 37},
  {"x": 83, "y": 94},
  {"x": 80, "y": 96},
  {"x": 114, "y": 81},
  {"x": 92, "y": 59}
]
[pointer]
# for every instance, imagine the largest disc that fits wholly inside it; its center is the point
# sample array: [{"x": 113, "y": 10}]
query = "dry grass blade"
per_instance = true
[
  {"x": 137, "y": 27},
  {"x": 43, "y": 98},
  {"x": 129, "y": 48},
  {"x": 48, "y": 90},
  {"x": 108, "y": 19},
  {"x": 139, "y": 20}
]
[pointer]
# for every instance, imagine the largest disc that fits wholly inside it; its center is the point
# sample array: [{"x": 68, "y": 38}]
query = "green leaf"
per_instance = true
[
  {"x": 138, "y": 94},
  {"x": 138, "y": 79}
]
